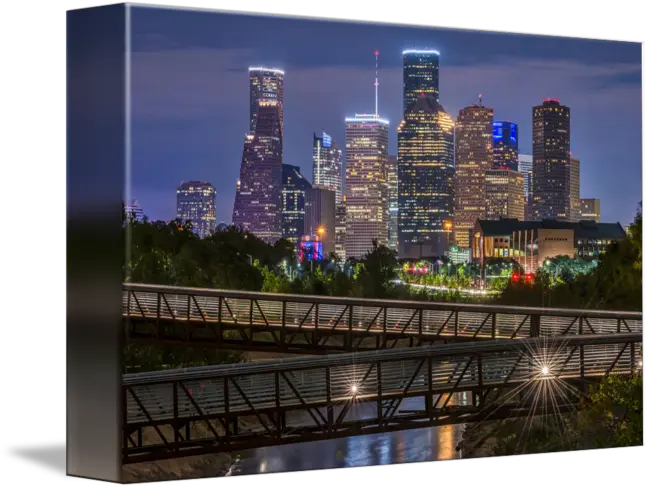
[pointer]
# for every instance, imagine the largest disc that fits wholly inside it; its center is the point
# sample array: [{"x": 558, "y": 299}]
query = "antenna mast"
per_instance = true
[{"x": 376, "y": 83}]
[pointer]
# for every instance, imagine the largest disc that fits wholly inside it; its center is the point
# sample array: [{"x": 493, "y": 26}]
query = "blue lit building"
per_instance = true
[
  {"x": 505, "y": 145},
  {"x": 421, "y": 75}
]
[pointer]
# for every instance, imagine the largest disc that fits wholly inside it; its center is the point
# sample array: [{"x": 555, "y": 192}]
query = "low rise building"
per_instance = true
[{"x": 531, "y": 242}]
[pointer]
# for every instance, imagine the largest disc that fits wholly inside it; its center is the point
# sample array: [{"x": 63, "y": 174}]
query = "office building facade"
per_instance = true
[
  {"x": 421, "y": 75},
  {"x": 504, "y": 194},
  {"x": 327, "y": 165},
  {"x": 320, "y": 216},
  {"x": 295, "y": 191},
  {"x": 196, "y": 203},
  {"x": 591, "y": 209},
  {"x": 392, "y": 202},
  {"x": 366, "y": 153},
  {"x": 575, "y": 189},
  {"x": 425, "y": 182},
  {"x": 340, "y": 227},
  {"x": 551, "y": 159},
  {"x": 473, "y": 156},
  {"x": 258, "y": 200},
  {"x": 505, "y": 145}
]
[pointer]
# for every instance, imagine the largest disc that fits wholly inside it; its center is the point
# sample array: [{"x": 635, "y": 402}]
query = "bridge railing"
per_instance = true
[
  {"x": 320, "y": 318},
  {"x": 301, "y": 399}
]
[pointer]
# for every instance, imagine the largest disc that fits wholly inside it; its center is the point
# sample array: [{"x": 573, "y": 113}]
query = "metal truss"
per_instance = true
[
  {"x": 195, "y": 411},
  {"x": 255, "y": 321}
]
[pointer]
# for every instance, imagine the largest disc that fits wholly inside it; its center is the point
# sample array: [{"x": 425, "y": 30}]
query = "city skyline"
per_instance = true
[{"x": 205, "y": 148}]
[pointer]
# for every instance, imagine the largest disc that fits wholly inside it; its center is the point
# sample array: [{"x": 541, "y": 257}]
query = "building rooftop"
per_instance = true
[{"x": 582, "y": 229}]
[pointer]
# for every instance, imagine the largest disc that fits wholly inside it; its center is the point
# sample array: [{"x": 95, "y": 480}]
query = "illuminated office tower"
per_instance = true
[
  {"x": 340, "y": 228},
  {"x": 392, "y": 202},
  {"x": 575, "y": 189},
  {"x": 504, "y": 194},
  {"x": 421, "y": 75},
  {"x": 473, "y": 156},
  {"x": 257, "y": 206},
  {"x": 551, "y": 157},
  {"x": 320, "y": 216},
  {"x": 591, "y": 209},
  {"x": 133, "y": 211},
  {"x": 425, "y": 179},
  {"x": 505, "y": 145},
  {"x": 526, "y": 167},
  {"x": 295, "y": 193},
  {"x": 366, "y": 169},
  {"x": 265, "y": 84},
  {"x": 327, "y": 165},
  {"x": 196, "y": 203}
]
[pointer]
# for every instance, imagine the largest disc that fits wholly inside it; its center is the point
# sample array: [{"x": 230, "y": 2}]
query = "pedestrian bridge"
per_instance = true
[
  {"x": 175, "y": 413},
  {"x": 308, "y": 324}
]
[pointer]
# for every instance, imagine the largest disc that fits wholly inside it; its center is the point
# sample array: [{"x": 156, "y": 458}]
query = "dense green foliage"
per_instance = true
[{"x": 611, "y": 416}]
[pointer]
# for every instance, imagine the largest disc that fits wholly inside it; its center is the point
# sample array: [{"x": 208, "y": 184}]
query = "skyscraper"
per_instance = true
[
  {"x": 425, "y": 179},
  {"x": 320, "y": 216},
  {"x": 526, "y": 167},
  {"x": 133, "y": 210},
  {"x": 196, "y": 203},
  {"x": 327, "y": 165},
  {"x": 258, "y": 197},
  {"x": 504, "y": 194},
  {"x": 366, "y": 160},
  {"x": 473, "y": 156},
  {"x": 551, "y": 156},
  {"x": 591, "y": 209},
  {"x": 421, "y": 75},
  {"x": 265, "y": 84},
  {"x": 295, "y": 192},
  {"x": 340, "y": 229},
  {"x": 575, "y": 189},
  {"x": 392, "y": 202},
  {"x": 505, "y": 145}
]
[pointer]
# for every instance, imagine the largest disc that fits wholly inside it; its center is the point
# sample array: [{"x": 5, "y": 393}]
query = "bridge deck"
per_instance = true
[
  {"x": 318, "y": 325},
  {"x": 303, "y": 399}
]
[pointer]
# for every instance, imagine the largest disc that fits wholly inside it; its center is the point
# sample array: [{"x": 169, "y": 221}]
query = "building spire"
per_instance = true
[
  {"x": 480, "y": 99},
  {"x": 376, "y": 83}
]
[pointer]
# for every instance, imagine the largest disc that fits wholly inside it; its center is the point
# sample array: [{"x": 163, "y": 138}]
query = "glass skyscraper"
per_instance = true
[
  {"x": 196, "y": 203},
  {"x": 392, "y": 202},
  {"x": 575, "y": 189},
  {"x": 327, "y": 165},
  {"x": 266, "y": 84},
  {"x": 505, "y": 145},
  {"x": 257, "y": 206},
  {"x": 366, "y": 152},
  {"x": 295, "y": 193},
  {"x": 504, "y": 194},
  {"x": 421, "y": 75},
  {"x": 425, "y": 179},
  {"x": 473, "y": 156},
  {"x": 551, "y": 157}
]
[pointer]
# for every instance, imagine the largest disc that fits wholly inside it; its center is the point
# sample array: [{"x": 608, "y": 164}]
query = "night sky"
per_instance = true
[{"x": 190, "y": 95}]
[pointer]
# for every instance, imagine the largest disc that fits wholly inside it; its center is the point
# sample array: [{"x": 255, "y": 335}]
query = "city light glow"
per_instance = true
[
  {"x": 270, "y": 70},
  {"x": 420, "y": 51}
]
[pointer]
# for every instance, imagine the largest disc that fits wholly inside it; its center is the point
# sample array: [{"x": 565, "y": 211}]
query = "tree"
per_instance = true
[{"x": 377, "y": 271}]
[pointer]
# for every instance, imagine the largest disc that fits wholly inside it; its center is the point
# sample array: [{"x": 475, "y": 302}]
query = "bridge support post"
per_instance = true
[{"x": 534, "y": 325}]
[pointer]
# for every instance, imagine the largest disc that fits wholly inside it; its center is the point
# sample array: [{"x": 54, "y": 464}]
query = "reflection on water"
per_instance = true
[{"x": 430, "y": 444}]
